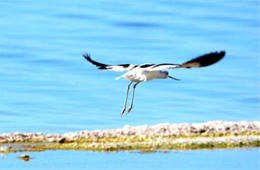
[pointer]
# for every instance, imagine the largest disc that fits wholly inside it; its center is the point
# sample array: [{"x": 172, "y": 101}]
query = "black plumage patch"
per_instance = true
[
  {"x": 124, "y": 65},
  {"x": 163, "y": 64},
  {"x": 146, "y": 65}
]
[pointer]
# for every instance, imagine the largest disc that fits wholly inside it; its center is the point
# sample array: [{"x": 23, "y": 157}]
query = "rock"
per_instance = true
[{"x": 24, "y": 157}]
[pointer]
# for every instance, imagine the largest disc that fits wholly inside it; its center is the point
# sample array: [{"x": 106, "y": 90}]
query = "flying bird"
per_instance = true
[{"x": 146, "y": 72}]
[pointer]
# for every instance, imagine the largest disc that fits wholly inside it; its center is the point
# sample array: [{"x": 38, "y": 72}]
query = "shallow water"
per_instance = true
[
  {"x": 205, "y": 159},
  {"x": 47, "y": 86}
]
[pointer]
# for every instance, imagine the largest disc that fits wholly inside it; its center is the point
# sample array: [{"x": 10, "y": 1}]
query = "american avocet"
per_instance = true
[{"x": 147, "y": 72}]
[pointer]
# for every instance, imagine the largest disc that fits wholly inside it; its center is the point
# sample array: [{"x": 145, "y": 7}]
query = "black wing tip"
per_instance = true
[
  {"x": 86, "y": 56},
  {"x": 221, "y": 53},
  {"x": 100, "y": 66},
  {"x": 204, "y": 60},
  {"x": 218, "y": 53},
  {"x": 212, "y": 58}
]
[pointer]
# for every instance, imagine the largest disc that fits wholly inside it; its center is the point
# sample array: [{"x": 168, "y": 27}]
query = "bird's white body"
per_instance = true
[
  {"x": 140, "y": 75},
  {"x": 147, "y": 72}
]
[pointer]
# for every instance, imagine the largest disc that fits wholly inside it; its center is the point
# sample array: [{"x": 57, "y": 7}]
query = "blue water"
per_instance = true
[
  {"x": 47, "y": 86},
  {"x": 221, "y": 159}
]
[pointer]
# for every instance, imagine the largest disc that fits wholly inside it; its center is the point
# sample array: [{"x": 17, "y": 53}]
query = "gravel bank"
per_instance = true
[{"x": 215, "y": 134}]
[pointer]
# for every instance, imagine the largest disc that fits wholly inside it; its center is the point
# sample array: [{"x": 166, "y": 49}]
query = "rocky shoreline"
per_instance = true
[{"x": 165, "y": 136}]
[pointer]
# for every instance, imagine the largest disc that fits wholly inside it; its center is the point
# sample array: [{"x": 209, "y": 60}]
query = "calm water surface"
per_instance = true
[
  {"x": 220, "y": 159},
  {"x": 47, "y": 86}
]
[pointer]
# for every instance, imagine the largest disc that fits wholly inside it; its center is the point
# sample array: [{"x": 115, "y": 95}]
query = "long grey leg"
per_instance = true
[
  {"x": 127, "y": 91},
  {"x": 132, "y": 102}
]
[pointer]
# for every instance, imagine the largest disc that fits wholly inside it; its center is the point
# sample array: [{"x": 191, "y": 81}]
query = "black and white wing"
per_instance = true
[
  {"x": 101, "y": 66},
  {"x": 204, "y": 60},
  {"x": 201, "y": 61}
]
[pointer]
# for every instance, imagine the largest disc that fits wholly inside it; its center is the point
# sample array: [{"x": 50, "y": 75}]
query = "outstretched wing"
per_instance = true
[
  {"x": 204, "y": 60},
  {"x": 101, "y": 66}
]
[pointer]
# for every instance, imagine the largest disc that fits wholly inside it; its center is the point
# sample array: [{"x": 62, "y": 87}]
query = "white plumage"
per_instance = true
[
  {"x": 139, "y": 75},
  {"x": 147, "y": 72}
]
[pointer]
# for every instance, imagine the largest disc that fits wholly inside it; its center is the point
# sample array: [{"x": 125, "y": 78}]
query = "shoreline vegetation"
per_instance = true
[{"x": 161, "y": 137}]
